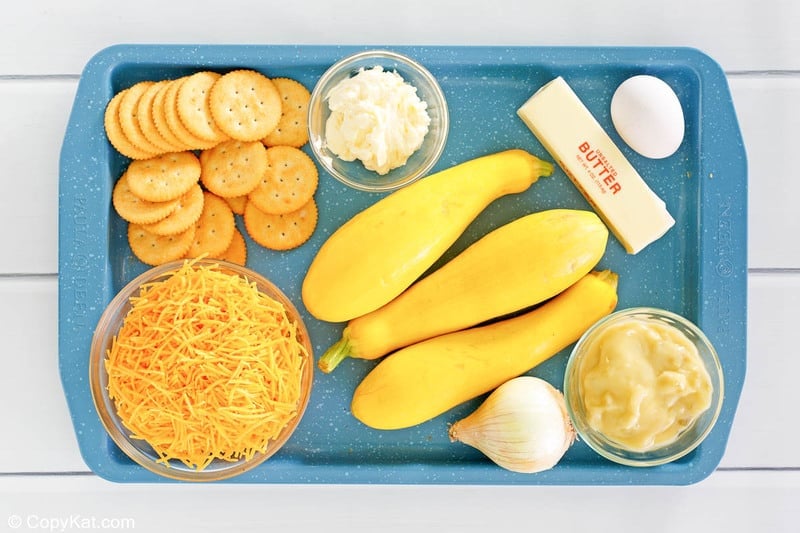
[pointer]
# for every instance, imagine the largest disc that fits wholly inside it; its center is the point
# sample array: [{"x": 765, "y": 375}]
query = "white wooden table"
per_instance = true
[{"x": 44, "y": 483}]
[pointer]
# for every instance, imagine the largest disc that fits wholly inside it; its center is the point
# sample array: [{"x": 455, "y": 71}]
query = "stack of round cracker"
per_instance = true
[
  {"x": 248, "y": 130},
  {"x": 199, "y": 111},
  {"x": 169, "y": 215}
]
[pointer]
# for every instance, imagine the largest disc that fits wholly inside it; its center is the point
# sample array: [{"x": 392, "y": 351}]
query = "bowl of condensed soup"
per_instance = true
[{"x": 643, "y": 386}]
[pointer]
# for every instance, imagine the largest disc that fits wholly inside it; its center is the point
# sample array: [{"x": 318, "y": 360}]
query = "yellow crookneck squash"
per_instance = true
[{"x": 382, "y": 250}]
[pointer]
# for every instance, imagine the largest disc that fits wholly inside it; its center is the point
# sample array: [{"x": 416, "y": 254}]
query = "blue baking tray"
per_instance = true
[{"x": 698, "y": 269}]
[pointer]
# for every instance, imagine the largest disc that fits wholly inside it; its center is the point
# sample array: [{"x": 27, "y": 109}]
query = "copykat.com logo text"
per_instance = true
[{"x": 73, "y": 522}]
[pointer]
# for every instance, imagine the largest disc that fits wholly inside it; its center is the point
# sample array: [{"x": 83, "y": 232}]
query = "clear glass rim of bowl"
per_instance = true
[
  {"x": 318, "y": 100},
  {"x": 105, "y": 406},
  {"x": 667, "y": 453}
]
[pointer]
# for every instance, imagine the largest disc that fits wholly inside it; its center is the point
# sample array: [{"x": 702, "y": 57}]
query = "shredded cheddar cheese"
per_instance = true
[{"x": 205, "y": 367}]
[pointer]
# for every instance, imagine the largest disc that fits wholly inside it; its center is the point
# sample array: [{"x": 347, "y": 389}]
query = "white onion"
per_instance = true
[{"x": 523, "y": 426}]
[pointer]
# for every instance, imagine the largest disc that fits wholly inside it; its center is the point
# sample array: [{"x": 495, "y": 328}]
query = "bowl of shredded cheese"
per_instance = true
[
  {"x": 377, "y": 120},
  {"x": 200, "y": 370}
]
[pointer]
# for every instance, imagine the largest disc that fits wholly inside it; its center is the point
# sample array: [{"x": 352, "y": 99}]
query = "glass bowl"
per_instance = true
[
  {"x": 354, "y": 173},
  {"x": 689, "y": 438},
  {"x": 137, "y": 449}
]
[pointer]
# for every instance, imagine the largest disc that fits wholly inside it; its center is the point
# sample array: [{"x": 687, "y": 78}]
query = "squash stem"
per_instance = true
[
  {"x": 544, "y": 168},
  {"x": 607, "y": 276},
  {"x": 334, "y": 355}
]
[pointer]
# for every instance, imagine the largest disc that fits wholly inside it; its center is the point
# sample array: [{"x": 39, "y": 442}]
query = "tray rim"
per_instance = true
[{"x": 100, "y": 68}]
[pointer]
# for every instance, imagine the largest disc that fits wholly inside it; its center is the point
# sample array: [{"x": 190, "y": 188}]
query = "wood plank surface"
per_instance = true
[
  {"x": 727, "y": 501},
  {"x": 35, "y": 114},
  {"x": 60, "y": 37}
]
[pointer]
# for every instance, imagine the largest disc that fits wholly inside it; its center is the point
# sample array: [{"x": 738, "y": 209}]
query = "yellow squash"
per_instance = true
[
  {"x": 515, "y": 266},
  {"x": 426, "y": 379},
  {"x": 383, "y": 249}
]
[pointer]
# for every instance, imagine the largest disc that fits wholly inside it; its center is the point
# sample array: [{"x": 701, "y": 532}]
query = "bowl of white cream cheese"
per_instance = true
[
  {"x": 643, "y": 387},
  {"x": 378, "y": 120}
]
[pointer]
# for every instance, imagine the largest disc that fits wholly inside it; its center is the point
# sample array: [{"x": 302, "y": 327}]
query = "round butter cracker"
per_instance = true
[
  {"x": 164, "y": 177},
  {"x": 129, "y": 117},
  {"x": 245, "y": 104},
  {"x": 192, "y": 105},
  {"x": 188, "y": 210},
  {"x": 114, "y": 131},
  {"x": 289, "y": 183},
  {"x": 292, "y": 128},
  {"x": 160, "y": 117},
  {"x": 133, "y": 209},
  {"x": 146, "y": 116},
  {"x": 281, "y": 232},
  {"x": 152, "y": 249},
  {"x": 237, "y": 250},
  {"x": 173, "y": 120},
  {"x": 237, "y": 204},
  {"x": 214, "y": 229},
  {"x": 233, "y": 168}
]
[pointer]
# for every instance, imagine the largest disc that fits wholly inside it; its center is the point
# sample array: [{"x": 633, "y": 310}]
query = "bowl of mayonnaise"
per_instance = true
[
  {"x": 643, "y": 386},
  {"x": 377, "y": 120}
]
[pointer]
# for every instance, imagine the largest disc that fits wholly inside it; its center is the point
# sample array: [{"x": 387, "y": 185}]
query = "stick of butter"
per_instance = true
[{"x": 566, "y": 128}]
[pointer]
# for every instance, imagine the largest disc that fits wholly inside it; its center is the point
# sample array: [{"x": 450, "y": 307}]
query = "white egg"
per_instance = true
[{"x": 648, "y": 116}]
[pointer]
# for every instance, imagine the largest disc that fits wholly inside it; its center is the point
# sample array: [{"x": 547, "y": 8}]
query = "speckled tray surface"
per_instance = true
[{"x": 698, "y": 269}]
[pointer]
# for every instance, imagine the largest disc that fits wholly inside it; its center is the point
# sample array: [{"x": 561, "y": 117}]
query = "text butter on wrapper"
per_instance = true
[{"x": 567, "y": 129}]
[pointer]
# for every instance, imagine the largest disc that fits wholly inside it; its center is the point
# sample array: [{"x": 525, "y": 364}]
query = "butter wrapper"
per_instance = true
[{"x": 605, "y": 177}]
